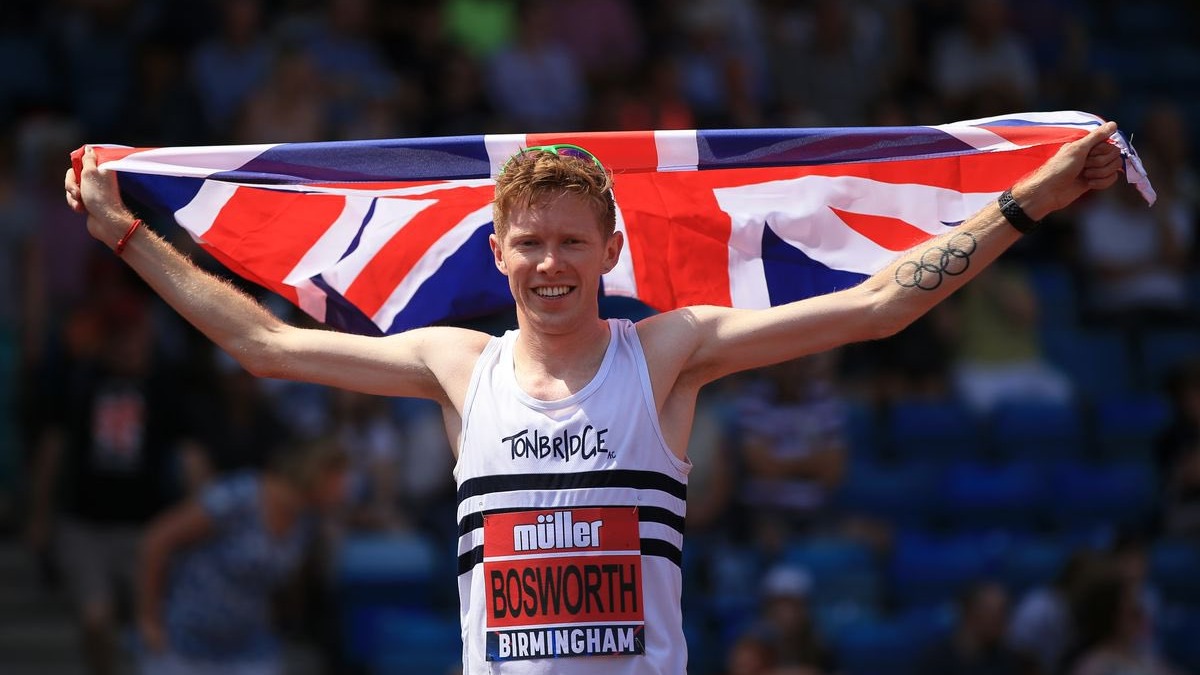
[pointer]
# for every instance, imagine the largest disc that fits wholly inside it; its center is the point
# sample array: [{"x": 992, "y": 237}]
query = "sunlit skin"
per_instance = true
[{"x": 552, "y": 246}]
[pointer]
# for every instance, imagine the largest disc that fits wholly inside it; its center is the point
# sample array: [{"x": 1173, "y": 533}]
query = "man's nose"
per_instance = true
[{"x": 549, "y": 262}]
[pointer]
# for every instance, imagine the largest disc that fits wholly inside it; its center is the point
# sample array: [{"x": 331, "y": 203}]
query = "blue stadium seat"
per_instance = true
[
  {"x": 927, "y": 570},
  {"x": 1029, "y": 430},
  {"x": 1179, "y": 628},
  {"x": 1108, "y": 494},
  {"x": 1166, "y": 349},
  {"x": 978, "y": 496},
  {"x": 393, "y": 568},
  {"x": 862, "y": 430},
  {"x": 1127, "y": 426},
  {"x": 843, "y": 570},
  {"x": 1096, "y": 361},
  {"x": 1054, "y": 286},
  {"x": 1175, "y": 570},
  {"x": 414, "y": 642},
  {"x": 902, "y": 493},
  {"x": 933, "y": 430},
  {"x": 890, "y": 645},
  {"x": 1032, "y": 562}
]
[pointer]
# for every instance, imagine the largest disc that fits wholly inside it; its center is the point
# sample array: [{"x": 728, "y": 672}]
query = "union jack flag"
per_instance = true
[{"x": 381, "y": 236}]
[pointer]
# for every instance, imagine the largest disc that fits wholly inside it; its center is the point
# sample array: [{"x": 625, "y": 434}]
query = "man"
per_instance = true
[{"x": 570, "y": 433}]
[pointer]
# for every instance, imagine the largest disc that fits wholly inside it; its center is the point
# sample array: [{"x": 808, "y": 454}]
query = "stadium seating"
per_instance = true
[
  {"x": 1037, "y": 430},
  {"x": 1175, "y": 570},
  {"x": 932, "y": 430},
  {"x": 904, "y": 493},
  {"x": 978, "y": 495},
  {"x": 1126, "y": 426},
  {"x": 1033, "y": 561},
  {"x": 931, "y": 570},
  {"x": 1095, "y": 494},
  {"x": 844, "y": 571}
]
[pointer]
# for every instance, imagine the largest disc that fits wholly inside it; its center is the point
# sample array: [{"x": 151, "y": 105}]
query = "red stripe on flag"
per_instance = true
[
  {"x": 617, "y": 150},
  {"x": 269, "y": 231},
  {"x": 678, "y": 239},
  {"x": 890, "y": 233},
  {"x": 395, "y": 260},
  {"x": 1037, "y": 135}
]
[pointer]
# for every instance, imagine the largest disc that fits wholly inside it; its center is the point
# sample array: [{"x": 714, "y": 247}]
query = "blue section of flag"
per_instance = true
[
  {"x": 415, "y": 159},
  {"x": 161, "y": 194},
  {"x": 466, "y": 286},
  {"x": 342, "y": 315},
  {"x": 720, "y": 149},
  {"x": 792, "y": 275}
]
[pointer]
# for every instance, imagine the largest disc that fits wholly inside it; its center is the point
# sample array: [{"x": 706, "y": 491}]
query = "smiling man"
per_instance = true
[{"x": 571, "y": 432}]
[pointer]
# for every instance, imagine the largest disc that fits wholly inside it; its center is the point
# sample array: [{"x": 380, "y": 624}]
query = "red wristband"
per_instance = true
[{"x": 123, "y": 241}]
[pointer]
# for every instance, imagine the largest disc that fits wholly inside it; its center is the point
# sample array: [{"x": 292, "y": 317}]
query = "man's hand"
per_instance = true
[
  {"x": 1090, "y": 163},
  {"x": 96, "y": 194}
]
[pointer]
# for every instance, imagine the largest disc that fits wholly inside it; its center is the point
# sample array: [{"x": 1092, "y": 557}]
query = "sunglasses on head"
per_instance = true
[{"x": 564, "y": 149}]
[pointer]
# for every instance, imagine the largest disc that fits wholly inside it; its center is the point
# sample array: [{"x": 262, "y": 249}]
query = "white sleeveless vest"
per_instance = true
[{"x": 570, "y": 521}]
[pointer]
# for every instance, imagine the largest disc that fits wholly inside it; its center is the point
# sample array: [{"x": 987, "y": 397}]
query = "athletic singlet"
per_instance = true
[{"x": 570, "y": 522}]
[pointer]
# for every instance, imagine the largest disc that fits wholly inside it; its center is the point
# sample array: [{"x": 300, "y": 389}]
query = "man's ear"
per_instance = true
[
  {"x": 612, "y": 250},
  {"x": 498, "y": 254}
]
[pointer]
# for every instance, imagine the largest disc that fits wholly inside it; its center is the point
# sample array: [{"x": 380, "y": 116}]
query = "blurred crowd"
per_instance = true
[{"x": 114, "y": 413}]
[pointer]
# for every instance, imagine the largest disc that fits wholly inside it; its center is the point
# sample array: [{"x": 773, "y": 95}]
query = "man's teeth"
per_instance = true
[{"x": 552, "y": 291}]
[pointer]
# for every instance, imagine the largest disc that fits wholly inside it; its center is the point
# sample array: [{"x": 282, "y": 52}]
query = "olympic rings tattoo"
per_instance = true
[{"x": 938, "y": 262}]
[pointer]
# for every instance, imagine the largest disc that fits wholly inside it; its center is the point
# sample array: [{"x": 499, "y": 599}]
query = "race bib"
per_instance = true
[{"x": 563, "y": 582}]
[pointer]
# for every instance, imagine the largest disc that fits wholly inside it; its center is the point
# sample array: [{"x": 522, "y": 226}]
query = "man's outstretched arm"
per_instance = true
[
  {"x": 426, "y": 363},
  {"x": 716, "y": 341}
]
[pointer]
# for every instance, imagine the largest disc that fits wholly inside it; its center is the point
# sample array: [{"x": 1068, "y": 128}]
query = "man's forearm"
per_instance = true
[
  {"x": 926, "y": 274},
  {"x": 228, "y": 316}
]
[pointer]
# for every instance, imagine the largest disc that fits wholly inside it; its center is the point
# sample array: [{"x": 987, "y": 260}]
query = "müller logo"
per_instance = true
[{"x": 556, "y": 531}]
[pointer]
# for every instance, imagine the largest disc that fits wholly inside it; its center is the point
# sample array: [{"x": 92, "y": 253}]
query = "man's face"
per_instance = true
[{"x": 553, "y": 255}]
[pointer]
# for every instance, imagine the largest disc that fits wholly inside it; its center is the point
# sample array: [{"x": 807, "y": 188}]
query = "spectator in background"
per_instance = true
[
  {"x": 786, "y": 624},
  {"x": 841, "y": 47},
  {"x": 722, "y": 62},
  {"x": 1178, "y": 454},
  {"x": 16, "y": 281},
  {"x": 534, "y": 83},
  {"x": 168, "y": 110},
  {"x": 238, "y": 431},
  {"x": 794, "y": 446},
  {"x": 289, "y": 107},
  {"x": 656, "y": 101},
  {"x": 109, "y": 426},
  {"x": 1130, "y": 553},
  {"x": 1113, "y": 628},
  {"x": 208, "y": 567},
  {"x": 977, "y": 645},
  {"x": 611, "y": 48},
  {"x": 999, "y": 357},
  {"x": 482, "y": 27},
  {"x": 1042, "y": 626},
  {"x": 1136, "y": 258},
  {"x": 982, "y": 67},
  {"x": 227, "y": 68},
  {"x": 357, "y": 85},
  {"x": 373, "y": 444}
]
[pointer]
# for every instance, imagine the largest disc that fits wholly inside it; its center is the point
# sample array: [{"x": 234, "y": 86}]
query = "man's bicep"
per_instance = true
[
  {"x": 415, "y": 363},
  {"x": 731, "y": 340}
]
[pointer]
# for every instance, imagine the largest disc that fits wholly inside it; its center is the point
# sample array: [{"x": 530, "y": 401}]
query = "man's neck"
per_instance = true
[{"x": 550, "y": 366}]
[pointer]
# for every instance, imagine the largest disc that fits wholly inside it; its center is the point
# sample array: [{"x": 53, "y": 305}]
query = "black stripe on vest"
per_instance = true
[
  {"x": 611, "y": 478},
  {"x": 646, "y": 514},
  {"x": 654, "y": 547}
]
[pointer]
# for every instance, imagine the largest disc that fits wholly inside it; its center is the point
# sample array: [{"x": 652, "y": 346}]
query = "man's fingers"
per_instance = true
[
  {"x": 1113, "y": 165},
  {"x": 1102, "y": 154},
  {"x": 1098, "y": 135}
]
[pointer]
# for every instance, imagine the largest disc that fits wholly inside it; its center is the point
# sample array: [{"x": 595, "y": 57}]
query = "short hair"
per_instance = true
[{"x": 534, "y": 176}]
